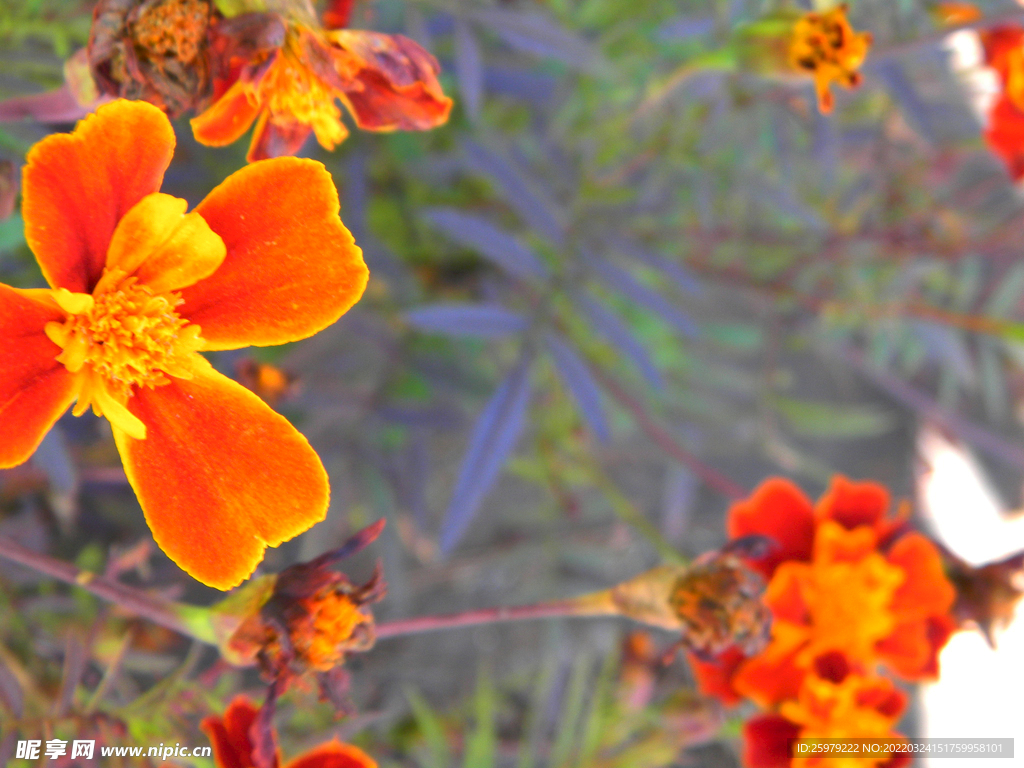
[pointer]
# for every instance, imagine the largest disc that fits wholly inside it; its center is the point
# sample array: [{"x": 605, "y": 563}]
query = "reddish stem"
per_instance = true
[
  {"x": 481, "y": 616},
  {"x": 129, "y": 598}
]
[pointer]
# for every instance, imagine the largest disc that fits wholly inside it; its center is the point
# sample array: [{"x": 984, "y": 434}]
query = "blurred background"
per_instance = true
[{"x": 606, "y": 300}]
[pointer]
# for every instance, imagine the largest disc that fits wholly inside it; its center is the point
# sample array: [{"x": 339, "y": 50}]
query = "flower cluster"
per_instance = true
[
  {"x": 853, "y": 593},
  {"x": 234, "y": 744},
  {"x": 284, "y": 71}
]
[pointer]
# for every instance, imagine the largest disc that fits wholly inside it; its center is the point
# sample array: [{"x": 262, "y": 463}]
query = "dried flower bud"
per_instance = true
[
  {"x": 154, "y": 50},
  {"x": 311, "y": 618},
  {"x": 986, "y": 596},
  {"x": 718, "y": 600}
]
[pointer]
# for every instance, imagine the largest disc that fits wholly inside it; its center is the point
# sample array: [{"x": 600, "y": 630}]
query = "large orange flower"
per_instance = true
[
  {"x": 387, "y": 82},
  {"x": 233, "y": 744},
  {"x": 137, "y": 288}
]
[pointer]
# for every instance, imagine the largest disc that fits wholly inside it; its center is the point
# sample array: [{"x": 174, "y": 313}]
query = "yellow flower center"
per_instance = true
[
  {"x": 850, "y": 604},
  {"x": 292, "y": 92},
  {"x": 122, "y": 336}
]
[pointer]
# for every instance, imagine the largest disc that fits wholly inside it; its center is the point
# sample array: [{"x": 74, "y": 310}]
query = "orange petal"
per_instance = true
[
  {"x": 220, "y": 476},
  {"x": 78, "y": 186},
  {"x": 232, "y": 747},
  {"x": 912, "y": 650},
  {"x": 785, "y": 591},
  {"x": 773, "y": 675},
  {"x": 333, "y": 754},
  {"x": 777, "y": 509},
  {"x": 926, "y": 590},
  {"x": 292, "y": 267},
  {"x": 227, "y": 118},
  {"x": 34, "y": 389},
  {"x": 163, "y": 246}
]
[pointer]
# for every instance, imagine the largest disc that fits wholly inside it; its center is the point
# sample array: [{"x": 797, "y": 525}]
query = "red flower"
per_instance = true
[
  {"x": 232, "y": 739},
  {"x": 387, "y": 82}
]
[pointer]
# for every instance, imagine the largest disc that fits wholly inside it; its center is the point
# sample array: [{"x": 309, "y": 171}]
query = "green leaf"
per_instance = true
[
  {"x": 432, "y": 728},
  {"x": 818, "y": 419},
  {"x": 481, "y": 747}
]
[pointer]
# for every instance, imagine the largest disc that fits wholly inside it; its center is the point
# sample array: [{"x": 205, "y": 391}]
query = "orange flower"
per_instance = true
[
  {"x": 387, "y": 82},
  {"x": 825, "y": 46},
  {"x": 137, "y": 288},
  {"x": 231, "y": 737},
  {"x": 855, "y": 707},
  {"x": 855, "y": 587}
]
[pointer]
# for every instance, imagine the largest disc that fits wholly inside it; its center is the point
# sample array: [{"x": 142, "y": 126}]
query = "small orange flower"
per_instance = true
[
  {"x": 852, "y": 582},
  {"x": 387, "y": 82},
  {"x": 825, "y": 46},
  {"x": 233, "y": 743},
  {"x": 137, "y": 288}
]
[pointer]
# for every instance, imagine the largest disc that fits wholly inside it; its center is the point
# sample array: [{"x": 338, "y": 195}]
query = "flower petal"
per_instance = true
[
  {"x": 714, "y": 677},
  {"x": 35, "y": 389},
  {"x": 78, "y": 186},
  {"x": 396, "y": 88},
  {"x": 271, "y": 139},
  {"x": 228, "y": 118},
  {"x": 778, "y": 509},
  {"x": 232, "y": 747},
  {"x": 292, "y": 268},
  {"x": 766, "y": 741},
  {"x": 163, "y": 246},
  {"x": 220, "y": 476},
  {"x": 926, "y": 590},
  {"x": 853, "y": 504},
  {"x": 333, "y": 754}
]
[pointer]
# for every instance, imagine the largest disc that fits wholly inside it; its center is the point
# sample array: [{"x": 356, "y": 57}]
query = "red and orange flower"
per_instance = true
[
  {"x": 850, "y": 589},
  {"x": 1004, "y": 53},
  {"x": 233, "y": 743},
  {"x": 138, "y": 287},
  {"x": 387, "y": 82}
]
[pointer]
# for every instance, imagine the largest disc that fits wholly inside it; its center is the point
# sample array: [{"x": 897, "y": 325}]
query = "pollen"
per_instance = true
[
  {"x": 122, "y": 337},
  {"x": 330, "y": 624}
]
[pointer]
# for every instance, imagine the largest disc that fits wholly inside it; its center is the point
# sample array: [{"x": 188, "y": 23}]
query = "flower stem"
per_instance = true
[
  {"x": 555, "y": 608},
  {"x": 135, "y": 600}
]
